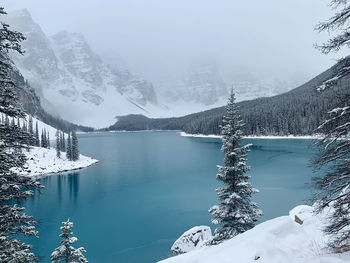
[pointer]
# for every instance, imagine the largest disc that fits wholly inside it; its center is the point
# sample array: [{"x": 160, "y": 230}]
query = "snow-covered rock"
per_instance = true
[
  {"x": 41, "y": 161},
  {"x": 194, "y": 238},
  {"x": 280, "y": 240}
]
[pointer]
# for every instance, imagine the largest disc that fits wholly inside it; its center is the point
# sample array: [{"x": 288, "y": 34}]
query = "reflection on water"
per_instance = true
[{"x": 63, "y": 182}]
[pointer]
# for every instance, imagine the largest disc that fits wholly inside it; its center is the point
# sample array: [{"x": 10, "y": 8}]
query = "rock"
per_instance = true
[
  {"x": 298, "y": 220},
  {"x": 194, "y": 238}
]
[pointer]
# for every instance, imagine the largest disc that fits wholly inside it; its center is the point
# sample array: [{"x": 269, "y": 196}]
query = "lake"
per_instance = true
[{"x": 150, "y": 187}]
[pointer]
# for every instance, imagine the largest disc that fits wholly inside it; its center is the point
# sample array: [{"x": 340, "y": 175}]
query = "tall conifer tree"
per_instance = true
[
  {"x": 236, "y": 213},
  {"x": 69, "y": 148},
  {"x": 334, "y": 187},
  {"x": 37, "y": 140},
  {"x": 58, "y": 144},
  {"x": 75, "y": 147},
  {"x": 13, "y": 187},
  {"x": 31, "y": 131}
]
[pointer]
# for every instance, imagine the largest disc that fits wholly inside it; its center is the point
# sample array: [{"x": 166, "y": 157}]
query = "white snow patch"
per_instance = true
[
  {"x": 42, "y": 161},
  {"x": 270, "y": 137},
  {"x": 275, "y": 241}
]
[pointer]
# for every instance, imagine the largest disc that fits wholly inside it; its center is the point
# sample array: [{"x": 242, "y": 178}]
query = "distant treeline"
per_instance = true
[{"x": 298, "y": 112}]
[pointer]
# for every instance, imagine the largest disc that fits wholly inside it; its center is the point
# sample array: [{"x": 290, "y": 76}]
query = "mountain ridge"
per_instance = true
[
  {"x": 73, "y": 81},
  {"x": 297, "y": 112}
]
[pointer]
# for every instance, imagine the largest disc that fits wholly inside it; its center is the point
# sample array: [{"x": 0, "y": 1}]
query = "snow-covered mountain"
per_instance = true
[
  {"x": 74, "y": 82},
  {"x": 77, "y": 85},
  {"x": 248, "y": 86},
  {"x": 205, "y": 86}
]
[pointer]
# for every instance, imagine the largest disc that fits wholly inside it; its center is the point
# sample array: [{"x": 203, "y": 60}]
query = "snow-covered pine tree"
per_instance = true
[
  {"x": 48, "y": 141},
  {"x": 31, "y": 131},
  {"x": 37, "y": 140},
  {"x": 63, "y": 142},
  {"x": 69, "y": 148},
  {"x": 58, "y": 144},
  {"x": 334, "y": 187},
  {"x": 236, "y": 212},
  {"x": 75, "y": 148},
  {"x": 43, "y": 138},
  {"x": 66, "y": 252},
  {"x": 13, "y": 187}
]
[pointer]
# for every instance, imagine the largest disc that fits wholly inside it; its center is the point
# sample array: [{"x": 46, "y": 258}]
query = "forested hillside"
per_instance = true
[{"x": 297, "y": 112}]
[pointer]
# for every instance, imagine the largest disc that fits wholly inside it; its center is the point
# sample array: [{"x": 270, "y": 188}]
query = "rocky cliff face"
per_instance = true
[
  {"x": 31, "y": 103},
  {"x": 73, "y": 81}
]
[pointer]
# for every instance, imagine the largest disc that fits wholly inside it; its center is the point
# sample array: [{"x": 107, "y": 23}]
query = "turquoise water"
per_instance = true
[{"x": 150, "y": 187}]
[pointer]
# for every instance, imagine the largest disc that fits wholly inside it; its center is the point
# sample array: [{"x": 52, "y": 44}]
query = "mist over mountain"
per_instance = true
[
  {"x": 73, "y": 81},
  {"x": 78, "y": 85}
]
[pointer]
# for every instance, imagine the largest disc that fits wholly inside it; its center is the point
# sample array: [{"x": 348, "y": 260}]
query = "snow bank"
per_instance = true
[
  {"x": 306, "y": 137},
  {"x": 192, "y": 239},
  {"x": 280, "y": 240},
  {"x": 44, "y": 161},
  {"x": 184, "y": 134}
]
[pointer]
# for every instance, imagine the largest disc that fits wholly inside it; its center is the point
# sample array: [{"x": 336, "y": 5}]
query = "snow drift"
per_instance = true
[{"x": 280, "y": 240}]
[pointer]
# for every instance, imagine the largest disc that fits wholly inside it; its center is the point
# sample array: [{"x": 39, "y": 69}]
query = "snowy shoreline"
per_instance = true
[
  {"x": 43, "y": 162},
  {"x": 293, "y": 238},
  {"x": 269, "y": 137}
]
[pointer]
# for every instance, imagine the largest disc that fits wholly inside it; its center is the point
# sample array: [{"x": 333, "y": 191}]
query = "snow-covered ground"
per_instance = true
[
  {"x": 272, "y": 137},
  {"x": 42, "y": 161},
  {"x": 280, "y": 240}
]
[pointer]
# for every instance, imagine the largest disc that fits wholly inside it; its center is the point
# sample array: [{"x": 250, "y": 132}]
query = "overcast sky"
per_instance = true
[{"x": 156, "y": 38}]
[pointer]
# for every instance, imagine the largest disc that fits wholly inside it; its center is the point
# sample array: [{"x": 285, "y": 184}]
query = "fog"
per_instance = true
[{"x": 161, "y": 39}]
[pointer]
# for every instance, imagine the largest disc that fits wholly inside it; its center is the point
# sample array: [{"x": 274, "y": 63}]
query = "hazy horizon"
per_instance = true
[{"x": 160, "y": 40}]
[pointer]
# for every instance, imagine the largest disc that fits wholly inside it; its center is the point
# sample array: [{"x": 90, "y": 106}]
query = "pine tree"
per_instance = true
[
  {"x": 66, "y": 252},
  {"x": 43, "y": 138},
  {"x": 13, "y": 187},
  {"x": 37, "y": 140},
  {"x": 62, "y": 141},
  {"x": 48, "y": 140},
  {"x": 75, "y": 148},
  {"x": 58, "y": 144},
  {"x": 31, "y": 131},
  {"x": 334, "y": 187},
  {"x": 236, "y": 213},
  {"x": 334, "y": 148},
  {"x": 69, "y": 148}
]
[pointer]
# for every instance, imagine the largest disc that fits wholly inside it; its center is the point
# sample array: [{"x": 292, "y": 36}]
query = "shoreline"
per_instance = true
[
  {"x": 42, "y": 162},
  {"x": 43, "y": 175},
  {"x": 269, "y": 137}
]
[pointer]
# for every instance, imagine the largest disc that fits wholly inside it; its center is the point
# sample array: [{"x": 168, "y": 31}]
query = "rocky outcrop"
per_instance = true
[{"x": 196, "y": 237}]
